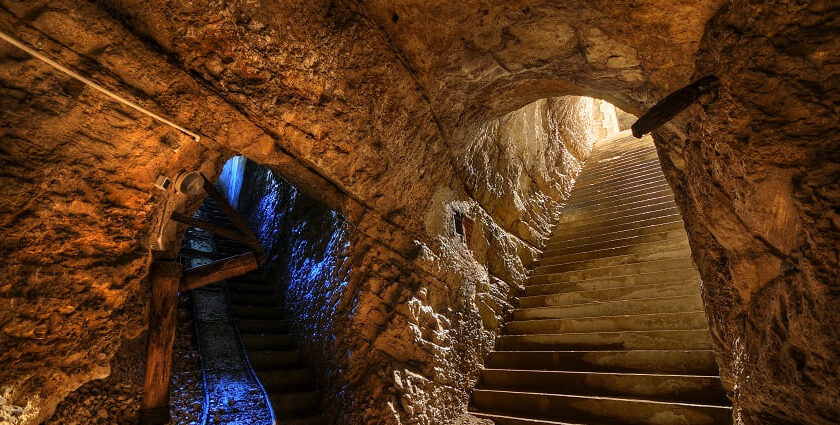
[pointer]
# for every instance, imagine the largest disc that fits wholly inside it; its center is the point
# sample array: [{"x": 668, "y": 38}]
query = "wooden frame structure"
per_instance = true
[{"x": 167, "y": 278}]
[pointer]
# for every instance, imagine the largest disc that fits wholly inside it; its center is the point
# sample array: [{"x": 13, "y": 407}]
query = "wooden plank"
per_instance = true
[
  {"x": 227, "y": 268},
  {"x": 234, "y": 218},
  {"x": 165, "y": 278},
  {"x": 672, "y": 105},
  {"x": 215, "y": 229}
]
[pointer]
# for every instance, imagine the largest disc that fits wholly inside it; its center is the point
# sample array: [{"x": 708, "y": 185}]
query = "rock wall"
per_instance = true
[
  {"x": 395, "y": 344},
  {"x": 77, "y": 198},
  {"x": 757, "y": 172}
]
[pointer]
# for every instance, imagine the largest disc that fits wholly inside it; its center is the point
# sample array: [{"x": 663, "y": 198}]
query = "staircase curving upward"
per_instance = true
[
  {"x": 611, "y": 328},
  {"x": 258, "y": 310}
]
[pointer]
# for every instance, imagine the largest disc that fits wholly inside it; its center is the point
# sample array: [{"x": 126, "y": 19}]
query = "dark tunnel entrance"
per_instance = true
[{"x": 252, "y": 332}]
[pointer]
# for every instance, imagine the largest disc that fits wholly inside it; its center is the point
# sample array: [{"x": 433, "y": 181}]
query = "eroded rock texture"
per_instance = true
[
  {"x": 758, "y": 177},
  {"x": 398, "y": 344},
  {"x": 394, "y": 113}
]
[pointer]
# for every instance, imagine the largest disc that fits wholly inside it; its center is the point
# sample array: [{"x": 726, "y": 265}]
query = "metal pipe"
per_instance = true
[{"x": 95, "y": 85}]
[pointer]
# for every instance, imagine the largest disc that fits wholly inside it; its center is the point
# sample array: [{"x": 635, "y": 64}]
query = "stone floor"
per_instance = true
[{"x": 115, "y": 400}]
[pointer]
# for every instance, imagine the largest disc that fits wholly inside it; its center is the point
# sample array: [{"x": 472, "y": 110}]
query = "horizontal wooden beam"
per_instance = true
[
  {"x": 215, "y": 229},
  {"x": 672, "y": 105},
  {"x": 227, "y": 268}
]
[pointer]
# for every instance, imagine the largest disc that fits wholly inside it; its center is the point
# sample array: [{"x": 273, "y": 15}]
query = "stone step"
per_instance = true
[
  {"x": 617, "y": 147},
  {"x": 499, "y": 419},
  {"x": 565, "y": 407},
  {"x": 660, "y": 387},
  {"x": 565, "y": 234},
  {"x": 641, "y": 168},
  {"x": 294, "y": 403},
  {"x": 250, "y": 299},
  {"x": 694, "y": 339},
  {"x": 610, "y": 239},
  {"x": 612, "y": 282},
  {"x": 569, "y": 215},
  {"x": 248, "y": 278},
  {"x": 633, "y": 322},
  {"x": 616, "y": 186},
  {"x": 609, "y": 190},
  {"x": 564, "y": 237},
  {"x": 592, "y": 217},
  {"x": 664, "y": 253},
  {"x": 275, "y": 359},
  {"x": 548, "y": 287},
  {"x": 250, "y": 288},
  {"x": 258, "y": 312},
  {"x": 250, "y": 326},
  {"x": 605, "y": 159},
  {"x": 678, "y": 304},
  {"x": 634, "y": 292},
  {"x": 617, "y": 197},
  {"x": 638, "y": 245},
  {"x": 638, "y": 214},
  {"x": 274, "y": 342},
  {"x": 620, "y": 161},
  {"x": 284, "y": 380},
  {"x": 613, "y": 271},
  {"x": 614, "y": 157},
  {"x": 696, "y": 362},
  {"x": 620, "y": 184},
  {"x": 604, "y": 162},
  {"x": 623, "y": 202}
]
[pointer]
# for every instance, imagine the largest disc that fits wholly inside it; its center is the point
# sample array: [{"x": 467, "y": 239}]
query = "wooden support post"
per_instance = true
[
  {"x": 227, "y": 268},
  {"x": 165, "y": 277},
  {"x": 672, "y": 105}
]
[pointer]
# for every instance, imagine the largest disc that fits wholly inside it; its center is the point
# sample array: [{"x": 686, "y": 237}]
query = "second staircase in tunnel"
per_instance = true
[
  {"x": 258, "y": 309},
  {"x": 611, "y": 327}
]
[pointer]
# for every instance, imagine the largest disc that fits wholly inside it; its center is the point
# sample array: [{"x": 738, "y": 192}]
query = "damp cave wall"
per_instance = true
[{"x": 391, "y": 344}]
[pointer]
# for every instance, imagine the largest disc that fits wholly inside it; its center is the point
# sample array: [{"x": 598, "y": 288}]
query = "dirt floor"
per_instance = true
[{"x": 115, "y": 400}]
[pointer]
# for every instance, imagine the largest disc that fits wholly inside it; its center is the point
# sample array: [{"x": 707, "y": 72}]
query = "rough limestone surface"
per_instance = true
[
  {"x": 373, "y": 107},
  {"x": 393, "y": 344}
]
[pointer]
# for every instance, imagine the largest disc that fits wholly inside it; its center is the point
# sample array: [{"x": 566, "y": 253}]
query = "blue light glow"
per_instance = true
[{"x": 231, "y": 179}]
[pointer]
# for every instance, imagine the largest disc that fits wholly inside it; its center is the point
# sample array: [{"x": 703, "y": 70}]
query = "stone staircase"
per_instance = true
[
  {"x": 258, "y": 310},
  {"x": 611, "y": 328}
]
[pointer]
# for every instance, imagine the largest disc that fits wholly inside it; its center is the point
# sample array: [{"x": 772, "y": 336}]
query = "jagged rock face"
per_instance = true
[
  {"x": 398, "y": 345},
  {"x": 757, "y": 177},
  {"x": 76, "y": 197},
  {"x": 375, "y": 108}
]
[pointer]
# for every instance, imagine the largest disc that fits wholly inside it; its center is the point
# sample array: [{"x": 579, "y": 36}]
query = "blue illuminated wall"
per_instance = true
[
  {"x": 230, "y": 181},
  {"x": 307, "y": 245},
  {"x": 303, "y": 240}
]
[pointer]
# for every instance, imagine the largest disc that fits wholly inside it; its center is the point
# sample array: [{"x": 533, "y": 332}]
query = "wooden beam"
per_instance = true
[
  {"x": 227, "y": 268},
  {"x": 215, "y": 229},
  {"x": 165, "y": 278},
  {"x": 672, "y": 105},
  {"x": 234, "y": 218}
]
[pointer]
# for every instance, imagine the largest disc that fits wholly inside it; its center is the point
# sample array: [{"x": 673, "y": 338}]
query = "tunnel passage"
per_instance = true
[
  {"x": 611, "y": 326},
  {"x": 249, "y": 331}
]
